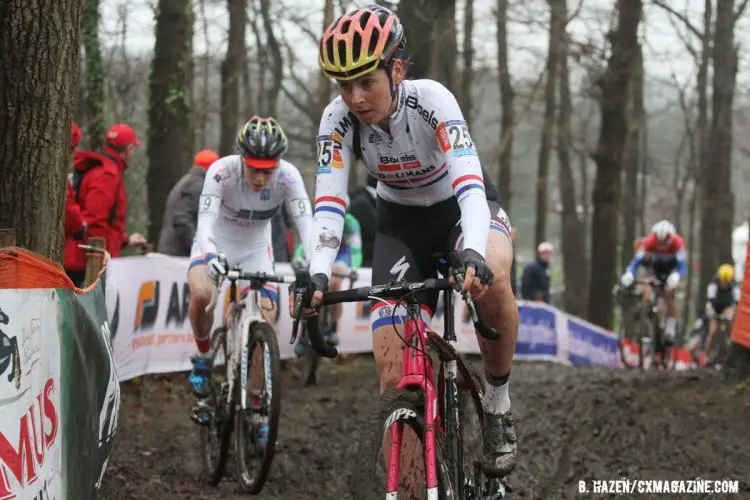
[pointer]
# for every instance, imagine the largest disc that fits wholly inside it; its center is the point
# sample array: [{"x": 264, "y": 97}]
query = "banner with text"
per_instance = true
[{"x": 147, "y": 303}]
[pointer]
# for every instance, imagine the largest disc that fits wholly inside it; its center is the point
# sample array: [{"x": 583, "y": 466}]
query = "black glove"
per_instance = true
[
  {"x": 320, "y": 282},
  {"x": 481, "y": 270}
]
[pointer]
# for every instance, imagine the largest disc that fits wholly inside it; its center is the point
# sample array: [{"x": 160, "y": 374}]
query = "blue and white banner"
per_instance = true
[{"x": 147, "y": 304}]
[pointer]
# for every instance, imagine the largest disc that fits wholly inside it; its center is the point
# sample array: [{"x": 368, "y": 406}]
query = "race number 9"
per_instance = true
[
  {"x": 300, "y": 207},
  {"x": 209, "y": 203}
]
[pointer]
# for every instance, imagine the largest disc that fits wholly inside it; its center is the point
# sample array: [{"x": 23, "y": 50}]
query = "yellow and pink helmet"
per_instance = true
[{"x": 360, "y": 42}]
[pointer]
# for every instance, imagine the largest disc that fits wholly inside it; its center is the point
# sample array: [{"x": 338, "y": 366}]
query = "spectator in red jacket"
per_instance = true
[
  {"x": 75, "y": 226},
  {"x": 100, "y": 191}
]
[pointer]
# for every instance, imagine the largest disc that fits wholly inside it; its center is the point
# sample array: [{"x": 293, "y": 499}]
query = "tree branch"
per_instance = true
[
  {"x": 681, "y": 17},
  {"x": 739, "y": 11},
  {"x": 575, "y": 12}
]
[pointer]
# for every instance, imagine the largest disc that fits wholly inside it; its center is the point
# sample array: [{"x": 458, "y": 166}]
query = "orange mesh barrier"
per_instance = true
[
  {"x": 20, "y": 268},
  {"x": 741, "y": 329}
]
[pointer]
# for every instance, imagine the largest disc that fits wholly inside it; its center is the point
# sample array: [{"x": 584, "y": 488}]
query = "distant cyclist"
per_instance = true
[
  {"x": 241, "y": 194},
  {"x": 662, "y": 253},
  {"x": 348, "y": 257},
  {"x": 722, "y": 297},
  {"x": 432, "y": 195}
]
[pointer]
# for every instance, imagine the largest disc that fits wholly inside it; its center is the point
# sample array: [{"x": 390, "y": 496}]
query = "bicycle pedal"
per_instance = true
[{"x": 201, "y": 413}]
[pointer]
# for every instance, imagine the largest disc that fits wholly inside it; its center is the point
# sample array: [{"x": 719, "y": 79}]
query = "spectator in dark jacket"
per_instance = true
[
  {"x": 181, "y": 213},
  {"x": 362, "y": 206},
  {"x": 535, "y": 279}
]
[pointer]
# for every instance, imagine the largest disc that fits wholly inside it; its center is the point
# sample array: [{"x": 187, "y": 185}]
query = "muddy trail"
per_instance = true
[{"x": 573, "y": 424}]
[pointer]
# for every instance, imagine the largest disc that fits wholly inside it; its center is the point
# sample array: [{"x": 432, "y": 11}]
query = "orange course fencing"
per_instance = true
[{"x": 741, "y": 329}]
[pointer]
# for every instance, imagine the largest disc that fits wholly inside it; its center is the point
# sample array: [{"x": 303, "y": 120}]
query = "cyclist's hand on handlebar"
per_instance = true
[
  {"x": 479, "y": 276},
  {"x": 320, "y": 285},
  {"x": 217, "y": 268}
]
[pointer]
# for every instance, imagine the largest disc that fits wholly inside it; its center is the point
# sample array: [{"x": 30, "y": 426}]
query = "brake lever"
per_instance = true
[
  {"x": 302, "y": 288},
  {"x": 475, "y": 312}
]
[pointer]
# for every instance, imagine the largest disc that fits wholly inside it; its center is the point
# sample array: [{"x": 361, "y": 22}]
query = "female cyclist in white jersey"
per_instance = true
[
  {"x": 240, "y": 195},
  {"x": 412, "y": 136}
]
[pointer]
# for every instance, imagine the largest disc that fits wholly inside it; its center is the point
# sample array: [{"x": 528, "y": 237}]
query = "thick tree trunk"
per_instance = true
[
  {"x": 703, "y": 131},
  {"x": 416, "y": 16},
  {"x": 467, "y": 76},
  {"x": 608, "y": 156},
  {"x": 718, "y": 199},
  {"x": 632, "y": 162},
  {"x": 445, "y": 55},
  {"x": 573, "y": 232},
  {"x": 557, "y": 25},
  {"x": 93, "y": 76},
  {"x": 39, "y": 55},
  {"x": 272, "y": 97},
  {"x": 231, "y": 73},
  {"x": 170, "y": 132},
  {"x": 507, "y": 97}
]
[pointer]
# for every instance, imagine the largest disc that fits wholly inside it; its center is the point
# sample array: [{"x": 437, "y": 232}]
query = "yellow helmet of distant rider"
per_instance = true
[
  {"x": 359, "y": 42},
  {"x": 726, "y": 273}
]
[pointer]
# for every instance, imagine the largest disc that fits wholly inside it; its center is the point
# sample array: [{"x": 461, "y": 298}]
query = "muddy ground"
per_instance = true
[{"x": 573, "y": 424}]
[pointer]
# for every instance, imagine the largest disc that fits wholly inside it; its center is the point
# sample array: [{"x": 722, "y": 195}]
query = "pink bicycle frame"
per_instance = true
[{"x": 416, "y": 367}]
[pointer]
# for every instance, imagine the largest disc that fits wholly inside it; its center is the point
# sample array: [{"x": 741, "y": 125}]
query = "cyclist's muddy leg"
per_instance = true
[
  {"x": 713, "y": 325},
  {"x": 501, "y": 312},
  {"x": 201, "y": 287},
  {"x": 671, "y": 329}
]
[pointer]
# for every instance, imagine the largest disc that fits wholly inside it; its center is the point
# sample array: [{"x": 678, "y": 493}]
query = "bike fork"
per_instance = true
[{"x": 452, "y": 427}]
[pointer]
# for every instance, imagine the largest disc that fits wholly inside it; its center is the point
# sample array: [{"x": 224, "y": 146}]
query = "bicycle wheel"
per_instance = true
[
  {"x": 368, "y": 477},
  {"x": 216, "y": 435},
  {"x": 475, "y": 484},
  {"x": 630, "y": 335},
  {"x": 264, "y": 407}
]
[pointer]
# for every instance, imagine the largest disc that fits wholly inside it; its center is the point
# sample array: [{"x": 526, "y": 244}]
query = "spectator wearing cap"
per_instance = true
[
  {"x": 535, "y": 279},
  {"x": 181, "y": 213},
  {"x": 99, "y": 189}
]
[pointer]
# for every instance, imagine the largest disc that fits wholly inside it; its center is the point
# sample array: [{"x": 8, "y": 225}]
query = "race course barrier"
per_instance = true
[
  {"x": 59, "y": 393},
  {"x": 147, "y": 303}
]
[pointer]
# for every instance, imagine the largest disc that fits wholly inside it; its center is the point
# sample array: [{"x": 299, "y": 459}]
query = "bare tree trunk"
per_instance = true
[
  {"x": 468, "y": 59},
  {"x": 323, "y": 96},
  {"x": 202, "y": 118},
  {"x": 443, "y": 65},
  {"x": 93, "y": 77},
  {"x": 703, "y": 136},
  {"x": 261, "y": 105},
  {"x": 572, "y": 232},
  {"x": 718, "y": 200},
  {"x": 612, "y": 136},
  {"x": 231, "y": 72},
  {"x": 557, "y": 25},
  {"x": 170, "y": 131},
  {"x": 416, "y": 16},
  {"x": 507, "y": 97},
  {"x": 278, "y": 61},
  {"x": 632, "y": 161},
  {"x": 39, "y": 55}
]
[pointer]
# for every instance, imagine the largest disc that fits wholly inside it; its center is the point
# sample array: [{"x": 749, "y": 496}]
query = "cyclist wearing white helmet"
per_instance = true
[
  {"x": 662, "y": 252},
  {"x": 432, "y": 194}
]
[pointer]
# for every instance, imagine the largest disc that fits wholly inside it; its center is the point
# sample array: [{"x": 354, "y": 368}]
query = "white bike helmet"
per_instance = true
[{"x": 664, "y": 231}]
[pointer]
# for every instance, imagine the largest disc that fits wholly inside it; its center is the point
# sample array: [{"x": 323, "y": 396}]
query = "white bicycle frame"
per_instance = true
[{"x": 249, "y": 315}]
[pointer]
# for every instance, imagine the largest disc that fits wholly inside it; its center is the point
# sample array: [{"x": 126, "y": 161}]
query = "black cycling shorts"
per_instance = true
[{"x": 408, "y": 238}]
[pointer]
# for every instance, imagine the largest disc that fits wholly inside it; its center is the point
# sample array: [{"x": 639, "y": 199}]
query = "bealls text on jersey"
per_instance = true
[{"x": 413, "y": 103}]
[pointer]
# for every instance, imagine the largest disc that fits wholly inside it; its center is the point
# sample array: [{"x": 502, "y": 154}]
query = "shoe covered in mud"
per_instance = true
[
  {"x": 498, "y": 444},
  {"x": 200, "y": 377},
  {"x": 299, "y": 348}
]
